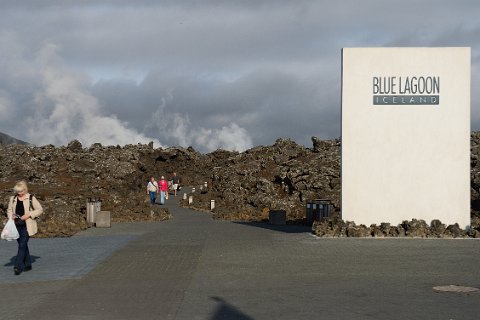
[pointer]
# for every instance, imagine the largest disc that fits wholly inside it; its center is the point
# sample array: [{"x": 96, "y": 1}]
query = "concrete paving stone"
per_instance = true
[
  {"x": 60, "y": 258},
  {"x": 18, "y": 299}
]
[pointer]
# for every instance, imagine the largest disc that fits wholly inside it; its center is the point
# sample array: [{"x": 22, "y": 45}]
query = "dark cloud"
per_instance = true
[{"x": 185, "y": 72}]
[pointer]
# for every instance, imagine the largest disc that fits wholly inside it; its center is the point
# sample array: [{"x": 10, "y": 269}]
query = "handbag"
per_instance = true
[
  {"x": 10, "y": 231},
  {"x": 19, "y": 222}
]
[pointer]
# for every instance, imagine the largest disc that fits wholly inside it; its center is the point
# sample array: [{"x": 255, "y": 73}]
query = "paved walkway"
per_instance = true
[{"x": 193, "y": 267}]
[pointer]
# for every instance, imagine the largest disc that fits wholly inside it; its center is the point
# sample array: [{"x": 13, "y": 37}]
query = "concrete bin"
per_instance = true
[
  {"x": 103, "y": 219},
  {"x": 277, "y": 217}
]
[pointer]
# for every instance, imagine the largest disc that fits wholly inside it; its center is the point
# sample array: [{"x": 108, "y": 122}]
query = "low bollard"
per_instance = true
[
  {"x": 190, "y": 199},
  {"x": 103, "y": 219},
  {"x": 205, "y": 184},
  {"x": 184, "y": 196},
  {"x": 193, "y": 190},
  {"x": 212, "y": 204},
  {"x": 89, "y": 211}
]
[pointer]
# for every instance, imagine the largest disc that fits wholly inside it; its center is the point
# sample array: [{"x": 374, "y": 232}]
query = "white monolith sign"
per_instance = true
[{"x": 406, "y": 135}]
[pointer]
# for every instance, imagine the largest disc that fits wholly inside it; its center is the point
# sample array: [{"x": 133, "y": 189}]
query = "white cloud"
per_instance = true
[
  {"x": 59, "y": 107},
  {"x": 230, "y": 137},
  {"x": 178, "y": 129}
]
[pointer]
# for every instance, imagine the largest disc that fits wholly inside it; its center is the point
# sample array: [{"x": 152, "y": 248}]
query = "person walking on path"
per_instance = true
[
  {"x": 23, "y": 208},
  {"x": 152, "y": 189},
  {"x": 175, "y": 183},
  {"x": 163, "y": 185}
]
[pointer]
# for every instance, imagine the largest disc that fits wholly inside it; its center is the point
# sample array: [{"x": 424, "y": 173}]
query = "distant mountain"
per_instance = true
[{"x": 6, "y": 139}]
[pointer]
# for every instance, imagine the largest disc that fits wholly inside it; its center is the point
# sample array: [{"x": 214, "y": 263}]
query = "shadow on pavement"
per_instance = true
[
  {"x": 289, "y": 228},
  {"x": 12, "y": 261},
  {"x": 226, "y": 311}
]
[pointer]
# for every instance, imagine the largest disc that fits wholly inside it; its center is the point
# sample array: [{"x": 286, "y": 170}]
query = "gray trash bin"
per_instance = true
[
  {"x": 94, "y": 205},
  {"x": 317, "y": 209}
]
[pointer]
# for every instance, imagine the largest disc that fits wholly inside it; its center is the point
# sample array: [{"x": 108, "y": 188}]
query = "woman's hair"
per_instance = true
[{"x": 20, "y": 186}]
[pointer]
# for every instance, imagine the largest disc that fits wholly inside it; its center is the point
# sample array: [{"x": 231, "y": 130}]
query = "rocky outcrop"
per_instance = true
[
  {"x": 281, "y": 176},
  {"x": 64, "y": 178},
  {"x": 286, "y": 174},
  {"x": 335, "y": 227},
  {"x": 244, "y": 185}
]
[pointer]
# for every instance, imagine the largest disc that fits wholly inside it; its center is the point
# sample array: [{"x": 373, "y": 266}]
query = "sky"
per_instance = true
[{"x": 208, "y": 74}]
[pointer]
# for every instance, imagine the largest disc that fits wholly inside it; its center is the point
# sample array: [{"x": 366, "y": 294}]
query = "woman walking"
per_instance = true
[
  {"x": 23, "y": 208},
  {"x": 163, "y": 185}
]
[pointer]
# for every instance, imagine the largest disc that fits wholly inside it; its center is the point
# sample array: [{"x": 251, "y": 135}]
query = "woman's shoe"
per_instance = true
[{"x": 17, "y": 271}]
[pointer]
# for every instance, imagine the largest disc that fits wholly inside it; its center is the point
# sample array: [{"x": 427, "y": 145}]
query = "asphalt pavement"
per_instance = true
[{"x": 194, "y": 267}]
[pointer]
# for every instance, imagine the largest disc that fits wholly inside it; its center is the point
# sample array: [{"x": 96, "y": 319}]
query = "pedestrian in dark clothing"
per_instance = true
[{"x": 23, "y": 208}]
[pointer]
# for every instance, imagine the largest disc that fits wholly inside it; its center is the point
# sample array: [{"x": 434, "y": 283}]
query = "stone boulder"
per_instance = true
[
  {"x": 416, "y": 228},
  {"x": 454, "y": 231},
  {"x": 360, "y": 231},
  {"x": 75, "y": 146},
  {"x": 437, "y": 229}
]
